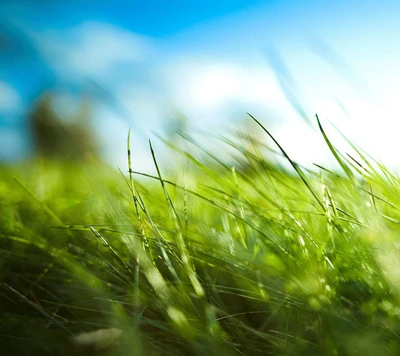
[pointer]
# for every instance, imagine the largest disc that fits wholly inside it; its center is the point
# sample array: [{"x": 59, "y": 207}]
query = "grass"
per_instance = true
[{"x": 213, "y": 258}]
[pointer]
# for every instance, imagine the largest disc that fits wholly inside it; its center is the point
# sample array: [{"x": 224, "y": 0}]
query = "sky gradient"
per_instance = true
[{"x": 212, "y": 61}]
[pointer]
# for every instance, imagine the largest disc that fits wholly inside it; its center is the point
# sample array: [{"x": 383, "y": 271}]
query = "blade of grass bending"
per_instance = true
[
  {"x": 371, "y": 173},
  {"x": 38, "y": 308},
  {"x": 189, "y": 267},
  {"x": 161, "y": 241},
  {"x": 43, "y": 205},
  {"x": 110, "y": 248},
  {"x": 293, "y": 164},
  {"x": 193, "y": 160},
  {"x": 192, "y": 141},
  {"x": 358, "y": 167},
  {"x": 372, "y": 197},
  {"x": 333, "y": 174},
  {"x": 158, "y": 235},
  {"x": 221, "y": 208},
  {"x": 117, "y": 274},
  {"x": 388, "y": 181},
  {"x": 243, "y": 238},
  {"x": 51, "y": 214},
  {"x": 208, "y": 200},
  {"x": 138, "y": 201},
  {"x": 345, "y": 168},
  {"x": 167, "y": 196},
  {"x": 132, "y": 186}
]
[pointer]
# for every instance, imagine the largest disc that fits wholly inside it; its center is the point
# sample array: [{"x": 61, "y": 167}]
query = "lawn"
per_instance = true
[{"x": 210, "y": 256}]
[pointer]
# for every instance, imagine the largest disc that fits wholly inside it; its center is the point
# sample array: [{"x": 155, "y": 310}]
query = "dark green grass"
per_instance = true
[{"x": 207, "y": 258}]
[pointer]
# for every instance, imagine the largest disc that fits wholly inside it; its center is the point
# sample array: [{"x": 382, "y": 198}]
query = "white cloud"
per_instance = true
[
  {"x": 211, "y": 92},
  {"x": 147, "y": 105},
  {"x": 93, "y": 49}
]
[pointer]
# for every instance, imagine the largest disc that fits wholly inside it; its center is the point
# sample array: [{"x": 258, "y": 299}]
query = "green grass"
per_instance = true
[{"x": 202, "y": 258}]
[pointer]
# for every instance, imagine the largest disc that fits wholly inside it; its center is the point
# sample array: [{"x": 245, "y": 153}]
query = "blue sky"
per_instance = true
[
  {"x": 213, "y": 61},
  {"x": 153, "y": 18}
]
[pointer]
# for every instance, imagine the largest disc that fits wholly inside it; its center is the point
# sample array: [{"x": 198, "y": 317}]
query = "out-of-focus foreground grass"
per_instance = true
[{"x": 212, "y": 260}]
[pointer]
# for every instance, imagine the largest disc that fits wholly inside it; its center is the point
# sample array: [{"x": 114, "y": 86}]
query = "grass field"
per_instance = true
[{"x": 206, "y": 259}]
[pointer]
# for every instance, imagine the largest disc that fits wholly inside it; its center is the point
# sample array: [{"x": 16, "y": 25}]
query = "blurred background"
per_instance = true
[{"x": 160, "y": 66}]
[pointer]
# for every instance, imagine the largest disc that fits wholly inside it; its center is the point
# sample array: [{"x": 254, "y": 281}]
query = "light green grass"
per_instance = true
[{"x": 207, "y": 258}]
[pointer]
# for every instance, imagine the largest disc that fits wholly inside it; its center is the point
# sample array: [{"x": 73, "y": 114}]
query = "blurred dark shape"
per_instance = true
[{"x": 58, "y": 139}]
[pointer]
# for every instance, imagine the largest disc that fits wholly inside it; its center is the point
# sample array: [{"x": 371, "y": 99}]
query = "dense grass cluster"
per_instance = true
[{"x": 209, "y": 260}]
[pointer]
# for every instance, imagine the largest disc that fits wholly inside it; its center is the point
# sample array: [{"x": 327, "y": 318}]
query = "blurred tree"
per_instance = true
[{"x": 56, "y": 138}]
